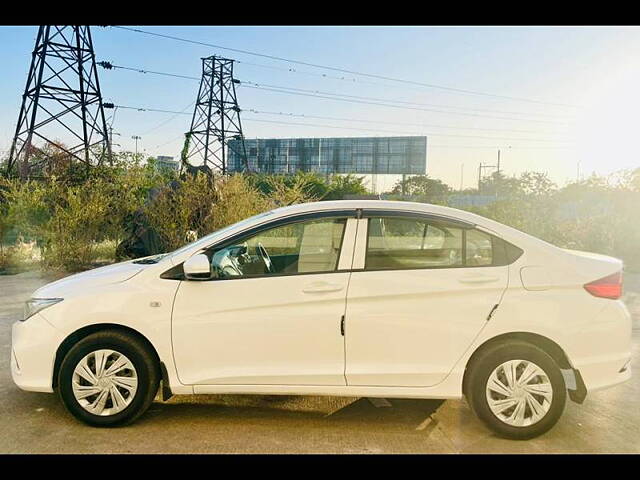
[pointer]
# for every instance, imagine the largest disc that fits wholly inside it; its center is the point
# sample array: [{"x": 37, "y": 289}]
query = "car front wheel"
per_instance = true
[{"x": 108, "y": 379}]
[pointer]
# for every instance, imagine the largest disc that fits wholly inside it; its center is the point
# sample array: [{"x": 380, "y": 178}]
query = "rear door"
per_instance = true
[{"x": 421, "y": 290}]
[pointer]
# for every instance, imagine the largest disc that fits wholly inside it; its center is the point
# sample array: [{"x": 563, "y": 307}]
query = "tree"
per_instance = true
[
  {"x": 536, "y": 184},
  {"x": 421, "y": 185},
  {"x": 341, "y": 185},
  {"x": 500, "y": 185}
]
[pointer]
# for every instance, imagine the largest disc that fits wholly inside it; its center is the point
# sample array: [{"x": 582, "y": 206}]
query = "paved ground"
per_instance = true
[{"x": 608, "y": 421}]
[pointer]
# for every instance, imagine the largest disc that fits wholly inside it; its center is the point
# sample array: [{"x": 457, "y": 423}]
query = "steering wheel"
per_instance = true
[{"x": 265, "y": 258}]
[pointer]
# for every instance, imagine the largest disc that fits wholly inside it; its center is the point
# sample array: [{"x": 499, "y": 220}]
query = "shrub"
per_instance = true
[{"x": 180, "y": 207}]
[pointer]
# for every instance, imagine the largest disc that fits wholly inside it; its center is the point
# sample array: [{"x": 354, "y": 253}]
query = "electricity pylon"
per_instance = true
[
  {"x": 62, "y": 99},
  {"x": 216, "y": 117}
]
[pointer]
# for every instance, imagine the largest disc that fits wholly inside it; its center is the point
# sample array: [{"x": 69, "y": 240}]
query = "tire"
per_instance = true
[
  {"x": 136, "y": 379},
  {"x": 494, "y": 363}
]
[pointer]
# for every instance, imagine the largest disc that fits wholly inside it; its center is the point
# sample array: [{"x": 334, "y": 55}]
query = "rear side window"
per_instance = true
[
  {"x": 402, "y": 243},
  {"x": 479, "y": 251},
  {"x": 397, "y": 243}
]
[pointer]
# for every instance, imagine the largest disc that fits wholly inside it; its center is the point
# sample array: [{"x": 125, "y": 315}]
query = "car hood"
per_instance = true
[{"x": 117, "y": 273}]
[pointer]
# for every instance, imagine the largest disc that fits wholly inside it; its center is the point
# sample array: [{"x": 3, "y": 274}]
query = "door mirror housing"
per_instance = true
[{"x": 197, "y": 267}]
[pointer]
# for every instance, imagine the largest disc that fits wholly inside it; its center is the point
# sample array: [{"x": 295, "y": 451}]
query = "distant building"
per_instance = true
[
  {"x": 166, "y": 162},
  {"x": 363, "y": 155}
]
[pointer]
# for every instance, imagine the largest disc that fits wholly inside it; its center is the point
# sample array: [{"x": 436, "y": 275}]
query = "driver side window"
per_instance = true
[{"x": 311, "y": 246}]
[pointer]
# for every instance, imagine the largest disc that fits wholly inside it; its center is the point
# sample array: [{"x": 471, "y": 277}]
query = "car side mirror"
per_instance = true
[{"x": 197, "y": 267}]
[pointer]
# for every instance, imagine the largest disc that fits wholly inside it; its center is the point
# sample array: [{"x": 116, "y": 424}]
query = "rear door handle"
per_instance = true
[
  {"x": 479, "y": 279},
  {"x": 319, "y": 287}
]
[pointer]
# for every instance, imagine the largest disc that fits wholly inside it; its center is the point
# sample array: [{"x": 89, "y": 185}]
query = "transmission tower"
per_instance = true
[
  {"x": 216, "y": 117},
  {"x": 61, "y": 100}
]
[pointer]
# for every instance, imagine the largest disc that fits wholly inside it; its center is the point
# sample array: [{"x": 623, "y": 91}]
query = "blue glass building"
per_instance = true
[{"x": 363, "y": 155}]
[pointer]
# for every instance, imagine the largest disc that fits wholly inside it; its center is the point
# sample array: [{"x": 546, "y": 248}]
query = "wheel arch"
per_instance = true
[
  {"x": 554, "y": 350},
  {"x": 83, "y": 332}
]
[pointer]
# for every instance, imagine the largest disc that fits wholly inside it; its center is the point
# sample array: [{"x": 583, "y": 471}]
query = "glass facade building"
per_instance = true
[{"x": 365, "y": 155}]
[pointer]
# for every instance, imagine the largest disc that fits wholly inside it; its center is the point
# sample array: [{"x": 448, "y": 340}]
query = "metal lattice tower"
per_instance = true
[
  {"x": 61, "y": 100},
  {"x": 216, "y": 117}
]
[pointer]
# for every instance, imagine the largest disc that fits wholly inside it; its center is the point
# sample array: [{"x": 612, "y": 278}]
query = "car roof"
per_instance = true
[{"x": 378, "y": 205}]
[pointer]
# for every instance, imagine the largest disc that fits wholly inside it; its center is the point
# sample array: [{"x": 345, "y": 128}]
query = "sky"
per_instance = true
[{"x": 573, "y": 106}]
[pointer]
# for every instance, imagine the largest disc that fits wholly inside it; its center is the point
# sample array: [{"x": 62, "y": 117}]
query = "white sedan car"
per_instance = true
[{"x": 354, "y": 298}]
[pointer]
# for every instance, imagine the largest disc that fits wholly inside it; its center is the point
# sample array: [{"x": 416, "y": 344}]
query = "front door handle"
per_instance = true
[
  {"x": 319, "y": 287},
  {"x": 479, "y": 279}
]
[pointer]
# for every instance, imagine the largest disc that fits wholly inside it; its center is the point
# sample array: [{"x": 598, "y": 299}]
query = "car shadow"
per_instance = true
[{"x": 401, "y": 414}]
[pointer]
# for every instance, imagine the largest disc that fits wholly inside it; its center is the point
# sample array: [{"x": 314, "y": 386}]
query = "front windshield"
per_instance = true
[{"x": 218, "y": 232}]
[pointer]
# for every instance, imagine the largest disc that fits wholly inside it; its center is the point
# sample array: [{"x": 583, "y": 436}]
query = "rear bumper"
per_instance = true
[
  {"x": 600, "y": 350},
  {"x": 33, "y": 350},
  {"x": 600, "y": 377},
  {"x": 606, "y": 373}
]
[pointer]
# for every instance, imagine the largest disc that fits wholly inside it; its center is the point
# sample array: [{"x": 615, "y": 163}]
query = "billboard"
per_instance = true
[{"x": 364, "y": 155}]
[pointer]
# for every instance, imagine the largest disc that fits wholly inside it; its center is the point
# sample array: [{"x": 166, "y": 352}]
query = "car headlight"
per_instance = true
[{"x": 34, "y": 305}]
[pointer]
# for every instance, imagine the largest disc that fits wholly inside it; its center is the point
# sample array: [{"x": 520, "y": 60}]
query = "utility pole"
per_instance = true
[
  {"x": 111, "y": 134},
  {"x": 578, "y": 172},
  {"x": 461, "y": 175},
  {"x": 482, "y": 167},
  {"x": 216, "y": 125},
  {"x": 62, "y": 94},
  {"x": 136, "y": 138}
]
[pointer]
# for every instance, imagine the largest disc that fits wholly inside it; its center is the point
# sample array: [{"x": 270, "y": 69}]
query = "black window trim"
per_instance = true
[
  {"x": 435, "y": 218},
  {"x": 381, "y": 212},
  {"x": 176, "y": 272}
]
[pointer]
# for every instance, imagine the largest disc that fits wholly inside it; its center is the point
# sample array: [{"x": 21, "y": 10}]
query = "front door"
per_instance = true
[
  {"x": 423, "y": 292},
  {"x": 273, "y": 313}
]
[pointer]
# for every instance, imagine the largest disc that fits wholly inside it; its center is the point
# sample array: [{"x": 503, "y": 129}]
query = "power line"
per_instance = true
[
  {"x": 318, "y": 93},
  {"x": 146, "y": 109},
  {"x": 168, "y": 141},
  {"x": 453, "y": 147},
  {"x": 172, "y": 117},
  {"x": 422, "y": 125},
  {"x": 406, "y": 107},
  {"x": 518, "y": 147},
  {"x": 344, "y": 70},
  {"x": 110, "y": 66},
  {"x": 398, "y": 132}
]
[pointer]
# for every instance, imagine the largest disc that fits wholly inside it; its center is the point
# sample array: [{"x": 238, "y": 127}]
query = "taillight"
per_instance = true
[{"x": 606, "y": 287}]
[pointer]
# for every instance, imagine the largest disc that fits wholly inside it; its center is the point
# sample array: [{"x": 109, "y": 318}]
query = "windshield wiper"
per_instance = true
[{"x": 149, "y": 260}]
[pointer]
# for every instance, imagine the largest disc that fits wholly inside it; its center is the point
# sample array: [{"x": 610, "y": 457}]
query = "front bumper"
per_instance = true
[{"x": 33, "y": 349}]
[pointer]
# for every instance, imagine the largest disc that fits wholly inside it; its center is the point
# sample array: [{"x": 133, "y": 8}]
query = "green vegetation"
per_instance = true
[
  {"x": 78, "y": 220},
  {"x": 599, "y": 214}
]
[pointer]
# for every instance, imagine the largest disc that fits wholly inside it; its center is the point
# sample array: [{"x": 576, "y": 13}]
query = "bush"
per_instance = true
[
  {"x": 77, "y": 223},
  {"x": 309, "y": 185},
  {"x": 198, "y": 205},
  {"x": 79, "y": 220},
  {"x": 594, "y": 215},
  {"x": 181, "y": 207}
]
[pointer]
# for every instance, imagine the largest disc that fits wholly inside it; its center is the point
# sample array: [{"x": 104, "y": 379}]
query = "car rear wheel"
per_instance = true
[
  {"x": 108, "y": 379},
  {"x": 516, "y": 389}
]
